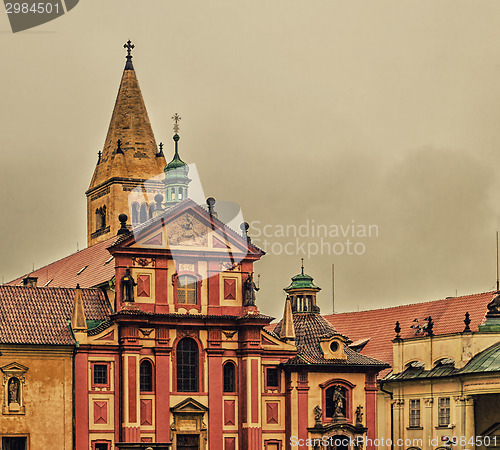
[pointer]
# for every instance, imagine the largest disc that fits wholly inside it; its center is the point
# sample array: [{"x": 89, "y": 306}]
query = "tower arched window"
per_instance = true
[
  {"x": 187, "y": 365},
  {"x": 100, "y": 218},
  {"x": 143, "y": 215},
  {"x": 151, "y": 210},
  {"x": 146, "y": 376},
  {"x": 229, "y": 377},
  {"x": 186, "y": 289}
]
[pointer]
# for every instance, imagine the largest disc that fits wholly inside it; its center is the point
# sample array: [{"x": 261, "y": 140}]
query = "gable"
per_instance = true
[{"x": 189, "y": 228}]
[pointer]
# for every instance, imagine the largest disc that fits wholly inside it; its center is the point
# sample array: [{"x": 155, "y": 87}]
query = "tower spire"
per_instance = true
[{"x": 127, "y": 164}]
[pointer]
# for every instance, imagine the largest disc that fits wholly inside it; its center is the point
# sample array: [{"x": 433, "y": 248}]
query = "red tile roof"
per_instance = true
[
  {"x": 64, "y": 273},
  {"x": 378, "y": 324},
  {"x": 309, "y": 329},
  {"x": 37, "y": 315}
]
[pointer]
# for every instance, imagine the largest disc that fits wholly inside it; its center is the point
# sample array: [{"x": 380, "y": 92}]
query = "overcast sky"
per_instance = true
[{"x": 340, "y": 113}]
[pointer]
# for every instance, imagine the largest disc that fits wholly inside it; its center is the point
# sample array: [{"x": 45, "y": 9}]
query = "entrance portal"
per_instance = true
[{"x": 188, "y": 442}]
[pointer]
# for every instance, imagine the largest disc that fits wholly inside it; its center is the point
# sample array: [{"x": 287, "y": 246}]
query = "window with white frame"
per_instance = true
[
  {"x": 444, "y": 411},
  {"x": 414, "y": 413}
]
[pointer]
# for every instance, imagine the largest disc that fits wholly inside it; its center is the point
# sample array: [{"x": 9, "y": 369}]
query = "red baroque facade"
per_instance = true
[{"x": 181, "y": 361}]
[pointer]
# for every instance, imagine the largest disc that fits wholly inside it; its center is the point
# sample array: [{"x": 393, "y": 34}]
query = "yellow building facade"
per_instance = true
[{"x": 444, "y": 390}]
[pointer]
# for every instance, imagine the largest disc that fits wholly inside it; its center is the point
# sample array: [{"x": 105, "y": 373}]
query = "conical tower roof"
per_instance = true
[{"x": 138, "y": 157}]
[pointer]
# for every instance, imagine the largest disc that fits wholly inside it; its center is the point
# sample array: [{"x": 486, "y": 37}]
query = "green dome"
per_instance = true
[
  {"x": 302, "y": 281},
  {"x": 176, "y": 162}
]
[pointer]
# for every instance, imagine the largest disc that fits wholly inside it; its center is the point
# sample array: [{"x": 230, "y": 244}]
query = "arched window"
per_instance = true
[
  {"x": 146, "y": 376},
  {"x": 187, "y": 365},
  {"x": 143, "y": 215},
  {"x": 98, "y": 219},
  {"x": 135, "y": 212},
  {"x": 151, "y": 210},
  {"x": 186, "y": 289},
  {"x": 336, "y": 402},
  {"x": 229, "y": 377}
]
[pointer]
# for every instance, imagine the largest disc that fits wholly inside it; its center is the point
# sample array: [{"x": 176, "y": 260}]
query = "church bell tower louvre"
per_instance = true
[{"x": 129, "y": 157}]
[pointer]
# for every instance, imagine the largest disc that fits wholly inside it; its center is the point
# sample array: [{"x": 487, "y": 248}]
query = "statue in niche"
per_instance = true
[
  {"x": 128, "y": 284},
  {"x": 249, "y": 288},
  {"x": 13, "y": 389},
  {"x": 338, "y": 401}
]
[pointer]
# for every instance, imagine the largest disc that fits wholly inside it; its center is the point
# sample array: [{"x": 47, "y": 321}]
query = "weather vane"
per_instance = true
[
  {"x": 176, "y": 119},
  {"x": 129, "y": 46}
]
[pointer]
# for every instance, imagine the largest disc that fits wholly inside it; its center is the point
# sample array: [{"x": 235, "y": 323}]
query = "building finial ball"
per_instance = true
[{"x": 123, "y": 218}]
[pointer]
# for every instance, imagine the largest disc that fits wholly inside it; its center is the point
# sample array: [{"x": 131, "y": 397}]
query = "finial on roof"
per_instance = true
[
  {"x": 467, "y": 322},
  {"x": 160, "y": 153},
  {"x": 99, "y": 154},
  {"x": 302, "y": 266},
  {"x": 123, "y": 222},
  {"x": 397, "y": 329},
  {"x": 211, "y": 204},
  {"x": 78, "y": 319},
  {"x": 119, "y": 146},
  {"x": 129, "y": 46},
  {"x": 287, "y": 332},
  {"x": 244, "y": 227},
  {"x": 176, "y": 119}
]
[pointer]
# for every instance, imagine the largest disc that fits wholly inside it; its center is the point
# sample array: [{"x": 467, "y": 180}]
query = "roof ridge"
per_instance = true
[{"x": 411, "y": 304}]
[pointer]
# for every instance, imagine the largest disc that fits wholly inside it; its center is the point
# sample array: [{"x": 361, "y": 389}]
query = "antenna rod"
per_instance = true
[
  {"x": 498, "y": 281},
  {"x": 333, "y": 288}
]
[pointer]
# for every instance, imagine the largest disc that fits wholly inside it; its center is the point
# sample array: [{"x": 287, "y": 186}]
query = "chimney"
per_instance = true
[{"x": 30, "y": 281}]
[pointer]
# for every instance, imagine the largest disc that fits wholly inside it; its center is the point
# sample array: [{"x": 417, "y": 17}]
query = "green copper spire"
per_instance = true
[
  {"x": 302, "y": 281},
  {"x": 176, "y": 172}
]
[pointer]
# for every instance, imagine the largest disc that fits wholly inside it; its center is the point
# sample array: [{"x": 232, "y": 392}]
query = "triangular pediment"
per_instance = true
[
  {"x": 189, "y": 406},
  {"x": 187, "y": 226},
  {"x": 13, "y": 368}
]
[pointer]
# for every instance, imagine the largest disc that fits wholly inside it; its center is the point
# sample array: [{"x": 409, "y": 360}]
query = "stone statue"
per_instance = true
[
  {"x": 249, "y": 289},
  {"x": 318, "y": 415},
  {"x": 359, "y": 416},
  {"x": 128, "y": 284},
  {"x": 494, "y": 306},
  {"x": 13, "y": 390},
  {"x": 338, "y": 401}
]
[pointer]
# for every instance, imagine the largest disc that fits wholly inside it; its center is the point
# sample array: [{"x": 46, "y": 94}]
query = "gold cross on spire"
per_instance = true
[
  {"x": 129, "y": 46},
  {"x": 176, "y": 119}
]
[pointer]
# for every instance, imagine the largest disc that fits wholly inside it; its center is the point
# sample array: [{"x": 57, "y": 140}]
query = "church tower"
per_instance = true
[{"x": 129, "y": 158}]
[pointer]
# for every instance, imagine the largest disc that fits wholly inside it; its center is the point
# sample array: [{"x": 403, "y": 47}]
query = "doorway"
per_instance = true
[{"x": 188, "y": 442}]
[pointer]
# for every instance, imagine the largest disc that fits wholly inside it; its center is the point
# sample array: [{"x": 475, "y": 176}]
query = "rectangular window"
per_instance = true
[
  {"x": 444, "y": 411},
  {"x": 414, "y": 413},
  {"x": 272, "y": 378},
  {"x": 101, "y": 374},
  {"x": 13, "y": 443}
]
